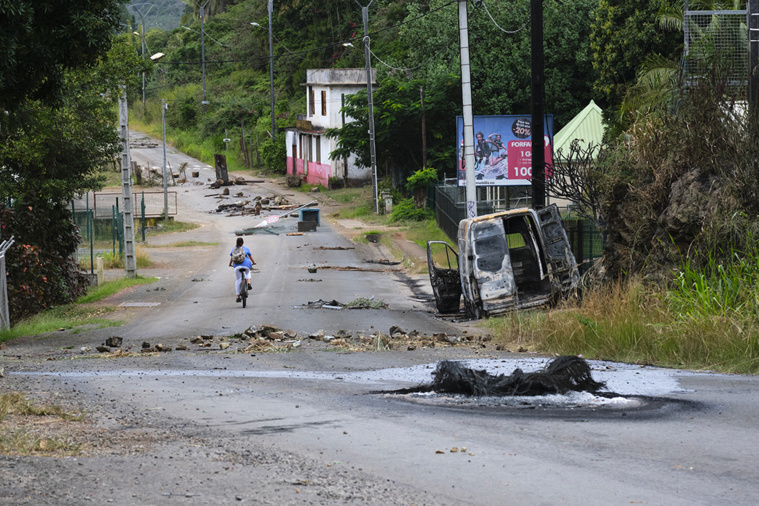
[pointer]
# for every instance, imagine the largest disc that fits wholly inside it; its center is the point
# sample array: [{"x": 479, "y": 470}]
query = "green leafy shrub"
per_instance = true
[
  {"x": 406, "y": 210},
  {"x": 274, "y": 154}
]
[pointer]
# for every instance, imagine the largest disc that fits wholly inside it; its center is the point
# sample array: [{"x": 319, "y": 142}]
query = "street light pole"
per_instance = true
[
  {"x": 142, "y": 19},
  {"x": 271, "y": 69},
  {"x": 165, "y": 183}
]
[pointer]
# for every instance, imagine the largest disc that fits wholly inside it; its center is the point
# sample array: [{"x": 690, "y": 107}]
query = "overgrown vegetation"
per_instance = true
[
  {"x": 29, "y": 433},
  {"x": 708, "y": 320}
]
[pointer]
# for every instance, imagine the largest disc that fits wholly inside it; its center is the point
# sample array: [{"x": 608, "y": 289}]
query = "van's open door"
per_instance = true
[
  {"x": 444, "y": 278},
  {"x": 563, "y": 265}
]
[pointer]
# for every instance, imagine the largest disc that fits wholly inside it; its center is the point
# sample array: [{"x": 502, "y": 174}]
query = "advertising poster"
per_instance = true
[{"x": 503, "y": 150}]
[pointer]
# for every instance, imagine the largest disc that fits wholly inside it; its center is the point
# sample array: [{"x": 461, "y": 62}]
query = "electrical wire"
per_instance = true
[{"x": 499, "y": 26}]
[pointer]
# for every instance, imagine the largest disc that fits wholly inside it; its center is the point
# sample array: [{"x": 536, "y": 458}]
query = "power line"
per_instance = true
[{"x": 511, "y": 32}]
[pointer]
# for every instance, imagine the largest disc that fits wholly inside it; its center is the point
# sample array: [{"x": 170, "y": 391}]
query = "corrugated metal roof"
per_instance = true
[{"x": 587, "y": 126}]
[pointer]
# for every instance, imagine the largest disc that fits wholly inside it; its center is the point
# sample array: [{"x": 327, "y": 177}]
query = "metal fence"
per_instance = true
[
  {"x": 450, "y": 209},
  {"x": 100, "y": 219},
  {"x": 714, "y": 37},
  {"x": 151, "y": 203}
]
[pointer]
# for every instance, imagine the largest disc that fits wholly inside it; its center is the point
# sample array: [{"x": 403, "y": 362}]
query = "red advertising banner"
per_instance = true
[{"x": 503, "y": 150}]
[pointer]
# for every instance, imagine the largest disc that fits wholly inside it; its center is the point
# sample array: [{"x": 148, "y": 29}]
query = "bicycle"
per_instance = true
[{"x": 243, "y": 284}]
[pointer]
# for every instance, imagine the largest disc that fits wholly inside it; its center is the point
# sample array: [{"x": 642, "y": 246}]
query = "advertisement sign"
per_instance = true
[{"x": 503, "y": 150}]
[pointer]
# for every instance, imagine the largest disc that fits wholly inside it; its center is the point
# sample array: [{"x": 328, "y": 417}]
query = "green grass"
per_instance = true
[
  {"x": 350, "y": 195},
  {"x": 170, "y": 227},
  {"x": 422, "y": 231},
  {"x": 74, "y": 316},
  {"x": 98, "y": 293}
]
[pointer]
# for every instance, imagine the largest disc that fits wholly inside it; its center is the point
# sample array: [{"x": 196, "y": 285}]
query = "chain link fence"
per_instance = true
[
  {"x": 716, "y": 38},
  {"x": 100, "y": 219}
]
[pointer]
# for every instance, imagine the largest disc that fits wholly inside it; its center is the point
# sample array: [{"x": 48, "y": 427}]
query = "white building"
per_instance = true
[{"x": 308, "y": 147}]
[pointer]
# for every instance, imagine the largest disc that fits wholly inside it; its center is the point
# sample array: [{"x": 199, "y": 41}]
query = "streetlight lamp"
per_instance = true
[
  {"x": 142, "y": 19},
  {"x": 271, "y": 69}
]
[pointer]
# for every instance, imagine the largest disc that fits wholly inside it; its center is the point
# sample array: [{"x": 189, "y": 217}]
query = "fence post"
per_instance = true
[{"x": 142, "y": 215}]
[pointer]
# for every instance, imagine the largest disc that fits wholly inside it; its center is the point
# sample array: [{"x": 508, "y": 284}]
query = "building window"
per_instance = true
[
  {"x": 324, "y": 102},
  {"x": 311, "y": 107},
  {"x": 318, "y": 157}
]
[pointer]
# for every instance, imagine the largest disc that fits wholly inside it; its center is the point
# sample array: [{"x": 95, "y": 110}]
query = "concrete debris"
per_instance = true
[
  {"x": 394, "y": 330},
  {"x": 360, "y": 269},
  {"x": 318, "y": 335},
  {"x": 321, "y": 304},
  {"x": 359, "y": 303},
  {"x": 382, "y": 261},
  {"x": 114, "y": 341}
]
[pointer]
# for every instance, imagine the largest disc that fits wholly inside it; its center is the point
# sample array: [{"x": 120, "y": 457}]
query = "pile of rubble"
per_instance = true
[
  {"x": 271, "y": 339},
  {"x": 256, "y": 205}
]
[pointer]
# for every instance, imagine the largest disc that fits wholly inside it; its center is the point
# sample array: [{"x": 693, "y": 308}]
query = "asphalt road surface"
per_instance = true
[{"x": 319, "y": 424}]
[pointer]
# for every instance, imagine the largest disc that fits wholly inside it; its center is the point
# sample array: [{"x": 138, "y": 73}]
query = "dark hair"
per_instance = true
[{"x": 239, "y": 241}]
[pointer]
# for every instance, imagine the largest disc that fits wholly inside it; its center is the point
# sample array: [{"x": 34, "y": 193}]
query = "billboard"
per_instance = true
[{"x": 503, "y": 150}]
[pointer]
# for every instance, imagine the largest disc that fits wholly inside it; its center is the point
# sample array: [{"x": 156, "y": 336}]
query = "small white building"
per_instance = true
[{"x": 308, "y": 147}]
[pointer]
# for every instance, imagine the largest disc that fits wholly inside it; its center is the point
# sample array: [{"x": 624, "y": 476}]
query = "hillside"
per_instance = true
[{"x": 163, "y": 14}]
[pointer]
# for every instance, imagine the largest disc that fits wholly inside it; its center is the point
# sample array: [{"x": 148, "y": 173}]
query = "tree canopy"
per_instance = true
[{"x": 41, "y": 39}]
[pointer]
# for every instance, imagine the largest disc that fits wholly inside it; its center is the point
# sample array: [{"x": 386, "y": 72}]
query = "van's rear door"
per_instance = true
[{"x": 564, "y": 272}]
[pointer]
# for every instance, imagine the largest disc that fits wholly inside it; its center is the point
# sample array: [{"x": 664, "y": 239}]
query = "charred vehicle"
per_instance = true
[{"x": 513, "y": 259}]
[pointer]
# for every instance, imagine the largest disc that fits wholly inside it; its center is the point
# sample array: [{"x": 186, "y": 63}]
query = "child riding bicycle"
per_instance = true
[{"x": 241, "y": 259}]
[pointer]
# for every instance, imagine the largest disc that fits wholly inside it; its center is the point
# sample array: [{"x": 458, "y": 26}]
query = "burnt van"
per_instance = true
[{"x": 514, "y": 259}]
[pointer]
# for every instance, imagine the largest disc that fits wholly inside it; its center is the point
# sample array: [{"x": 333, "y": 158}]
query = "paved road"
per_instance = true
[{"x": 313, "y": 426}]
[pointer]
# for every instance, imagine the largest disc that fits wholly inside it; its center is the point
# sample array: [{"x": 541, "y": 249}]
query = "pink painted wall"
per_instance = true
[{"x": 318, "y": 173}]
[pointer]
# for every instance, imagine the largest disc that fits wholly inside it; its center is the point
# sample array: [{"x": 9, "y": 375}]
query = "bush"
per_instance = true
[
  {"x": 40, "y": 265},
  {"x": 406, "y": 210},
  {"x": 274, "y": 154}
]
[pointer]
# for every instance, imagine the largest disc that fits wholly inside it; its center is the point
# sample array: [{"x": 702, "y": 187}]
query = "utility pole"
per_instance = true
[
  {"x": 271, "y": 70},
  {"x": 130, "y": 260},
  {"x": 538, "y": 88},
  {"x": 372, "y": 150},
  {"x": 466, "y": 98},
  {"x": 202, "y": 56},
  {"x": 165, "y": 182},
  {"x": 424, "y": 128}
]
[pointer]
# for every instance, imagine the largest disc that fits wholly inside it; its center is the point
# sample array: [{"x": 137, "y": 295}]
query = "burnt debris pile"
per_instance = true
[{"x": 561, "y": 375}]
